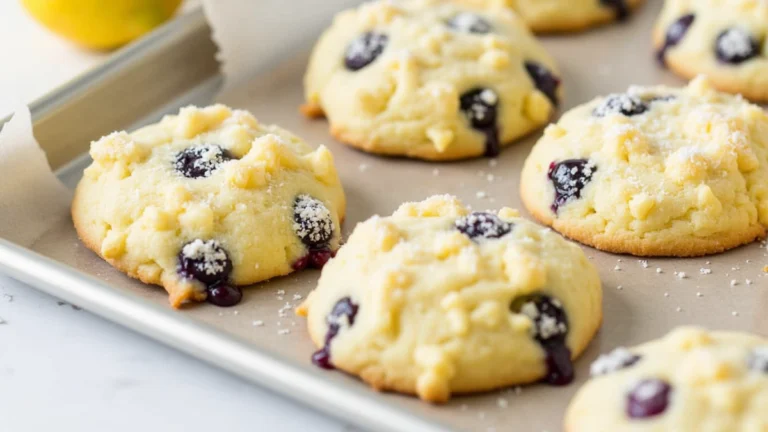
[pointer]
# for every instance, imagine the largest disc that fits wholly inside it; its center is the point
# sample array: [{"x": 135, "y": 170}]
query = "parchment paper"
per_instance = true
[{"x": 643, "y": 299}]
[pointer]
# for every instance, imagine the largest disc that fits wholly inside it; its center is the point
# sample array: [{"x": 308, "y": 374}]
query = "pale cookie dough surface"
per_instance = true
[
  {"x": 571, "y": 15},
  {"x": 208, "y": 197},
  {"x": 654, "y": 172},
  {"x": 434, "y": 301},
  {"x": 431, "y": 79},
  {"x": 724, "y": 39},
  {"x": 692, "y": 380}
]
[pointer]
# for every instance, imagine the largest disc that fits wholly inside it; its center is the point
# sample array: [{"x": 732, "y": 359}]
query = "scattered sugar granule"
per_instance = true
[
  {"x": 659, "y": 270},
  {"x": 363, "y": 167},
  {"x": 643, "y": 263},
  {"x": 734, "y": 282},
  {"x": 297, "y": 297},
  {"x": 619, "y": 287},
  {"x": 708, "y": 262},
  {"x": 490, "y": 178},
  {"x": 617, "y": 268},
  {"x": 435, "y": 172},
  {"x": 258, "y": 323},
  {"x": 748, "y": 281},
  {"x": 666, "y": 294},
  {"x": 705, "y": 271},
  {"x": 679, "y": 309},
  {"x": 493, "y": 162},
  {"x": 282, "y": 332},
  {"x": 699, "y": 294},
  {"x": 502, "y": 403},
  {"x": 235, "y": 313},
  {"x": 8, "y": 297},
  {"x": 518, "y": 390},
  {"x": 682, "y": 275},
  {"x": 280, "y": 292},
  {"x": 734, "y": 313},
  {"x": 481, "y": 194}
]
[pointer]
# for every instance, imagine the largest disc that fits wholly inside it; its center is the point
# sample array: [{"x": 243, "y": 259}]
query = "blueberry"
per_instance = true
[
  {"x": 365, "y": 50},
  {"x": 550, "y": 327},
  {"x": 344, "y": 310},
  {"x": 736, "y": 45},
  {"x": 620, "y": 6},
  {"x": 618, "y": 359},
  {"x": 675, "y": 33},
  {"x": 623, "y": 104},
  {"x": 312, "y": 222},
  {"x": 758, "y": 359},
  {"x": 470, "y": 23},
  {"x": 483, "y": 225},
  {"x": 648, "y": 398},
  {"x": 224, "y": 295},
  {"x": 204, "y": 261},
  {"x": 480, "y": 107},
  {"x": 544, "y": 80},
  {"x": 316, "y": 259},
  {"x": 202, "y": 161},
  {"x": 569, "y": 177}
]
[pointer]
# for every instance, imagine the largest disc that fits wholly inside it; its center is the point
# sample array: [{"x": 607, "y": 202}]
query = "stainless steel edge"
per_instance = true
[{"x": 205, "y": 343}]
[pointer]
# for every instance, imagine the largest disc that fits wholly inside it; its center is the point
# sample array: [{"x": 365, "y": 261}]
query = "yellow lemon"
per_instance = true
[{"x": 101, "y": 24}]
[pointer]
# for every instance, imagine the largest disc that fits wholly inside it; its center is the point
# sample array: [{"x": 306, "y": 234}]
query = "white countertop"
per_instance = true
[{"x": 67, "y": 370}]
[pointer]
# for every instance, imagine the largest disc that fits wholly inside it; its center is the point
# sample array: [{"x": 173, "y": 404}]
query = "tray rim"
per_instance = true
[{"x": 358, "y": 406}]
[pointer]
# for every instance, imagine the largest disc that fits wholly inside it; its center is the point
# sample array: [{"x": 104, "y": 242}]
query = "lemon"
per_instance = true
[{"x": 101, "y": 24}]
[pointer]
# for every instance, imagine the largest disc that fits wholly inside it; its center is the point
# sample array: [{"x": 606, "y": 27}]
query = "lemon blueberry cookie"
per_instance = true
[
  {"x": 430, "y": 79},
  {"x": 724, "y": 39},
  {"x": 436, "y": 300},
  {"x": 571, "y": 15},
  {"x": 655, "y": 171},
  {"x": 209, "y": 200},
  {"x": 689, "y": 381}
]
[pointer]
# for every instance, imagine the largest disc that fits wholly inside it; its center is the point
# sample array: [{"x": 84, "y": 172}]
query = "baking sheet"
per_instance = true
[{"x": 643, "y": 299}]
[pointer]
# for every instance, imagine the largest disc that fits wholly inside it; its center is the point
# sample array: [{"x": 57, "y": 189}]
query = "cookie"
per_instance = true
[
  {"x": 436, "y": 300},
  {"x": 723, "y": 39},
  {"x": 689, "y": 381},
  {"x": 430, "y": 79},
  {"x": 655, "y": 171},
  {"x": 209, "y": 200},
  {"x": 571, "y": 15}
]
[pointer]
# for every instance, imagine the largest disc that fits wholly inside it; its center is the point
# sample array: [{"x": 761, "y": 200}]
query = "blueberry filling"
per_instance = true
[
  {"x": 623, "y": 104},
  {"x": 675, "y": 33},
  {"x": 758, "y": 359},
  {"x": 480, "y": 107},
  {"x": 618, "y": 359},
  {"x": 544, "y": 80},
  {"x": 569, "y": 177},
  {"x": 365, "y": 50},
  {"x": 202, "y": 161},
  {"x": 483, "y": 225},
  {"x": 344, "y": 309},
  {"x": 550, "y": 327},
  {"x": 620, "y": 6},
  {"x": 648, "y": 398},
  {"x": 735, "y": 45},
  {"x": 312, "y": 223},
  {"x": 470, "y": 23},
  {"x": 208, "y": 263}
]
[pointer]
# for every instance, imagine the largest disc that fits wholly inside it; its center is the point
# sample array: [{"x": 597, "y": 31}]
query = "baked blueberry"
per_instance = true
[
  {"x": 224, "y": 295},
  {"x": 204, "y": 261},
  {"x": 483, "y": 225},
  {"x": 620, "y": 6},
  {"x": 736, "y": 45},
  {"x": 470, "y": 23},
  {"x": 620, "y": 358},
  {"x": 201, "y": 161},
  {"x": 550, "y": 329},
  {"x": 648, "y": 398},
  {"x": 675, "y": 33},
  {"x": 343, "y": 312},
  {"x": 623, "y": 104},
  {"x": 758, "y": 359},
  {"x": 569, "y": 177},
  {"x": 312, "y": 222},
  {"x": 544, "y": 80},
  {"x": 480, "y": 107},
  {"x": 316, "y": 259},
  {"x": 365, "y": 50}
]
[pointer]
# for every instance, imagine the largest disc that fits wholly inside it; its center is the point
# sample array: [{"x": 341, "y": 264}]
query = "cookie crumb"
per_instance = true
[
  {"x": 734, "y": 282},
  {"x": 282, "y": 332},
  {"x": 748, "y": 281},
  {"x": 643, "y": 263},
  {"x": 705, "y": 271},
  {"x": 617, "y": 268},
  {"x": 481, "y": 194},
  {"x": 682, "y": 275},
  {"x": 258, "y": 323}
]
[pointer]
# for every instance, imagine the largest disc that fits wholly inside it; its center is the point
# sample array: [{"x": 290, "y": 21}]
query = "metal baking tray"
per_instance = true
[{"x": 176, "y": 66}]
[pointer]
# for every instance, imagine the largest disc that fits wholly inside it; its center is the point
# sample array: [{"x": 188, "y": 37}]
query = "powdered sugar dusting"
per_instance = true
[{"x": 209, "y": 253}]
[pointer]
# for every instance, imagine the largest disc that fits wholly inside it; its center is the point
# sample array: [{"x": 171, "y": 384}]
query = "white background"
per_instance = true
[{"x": 63, "y": 369}]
